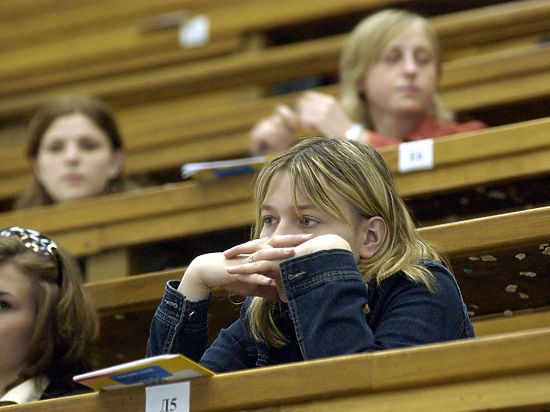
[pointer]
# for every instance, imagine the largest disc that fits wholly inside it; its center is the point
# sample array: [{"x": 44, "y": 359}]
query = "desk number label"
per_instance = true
[
  {"x": 169, "y": 405},
  {"x": 173, "y": 397},
  {"x": 194, "y": 32},
  {"x": 417, "y": 155}
]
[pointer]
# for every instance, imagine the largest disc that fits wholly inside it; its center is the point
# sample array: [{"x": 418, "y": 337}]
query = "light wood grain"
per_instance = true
[
  {"x": 490, "y": 233},
  {"x": 186, "y": 208},
  {"x": 261, "y": 67},
  {"x": 517, "y": 322},
  {"x": 120, "y": 34},
  {"x": 183, "y": 135},
  {"x": 469, "y": 375}
]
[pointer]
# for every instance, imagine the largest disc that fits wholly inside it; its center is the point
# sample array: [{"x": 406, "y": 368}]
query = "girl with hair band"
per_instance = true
[
  {"x": 389, "y": 70},
  {"x": 47, "y": 322},
  {"x": 76, "y": 152},
  {"x": 335, "y": 267}
]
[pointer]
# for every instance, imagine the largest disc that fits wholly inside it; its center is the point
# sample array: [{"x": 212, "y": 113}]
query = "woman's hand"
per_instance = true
[
  {"x": 275, "y": 133},
  {"x": 323, "y": 114},
  {"x": 265, "y": 255},
  {"x": 210, "y": 271},
  {"x": 207, "y": 272}
]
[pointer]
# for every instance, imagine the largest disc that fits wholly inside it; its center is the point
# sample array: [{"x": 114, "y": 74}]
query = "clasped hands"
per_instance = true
[{"x": 252, "y": 268}]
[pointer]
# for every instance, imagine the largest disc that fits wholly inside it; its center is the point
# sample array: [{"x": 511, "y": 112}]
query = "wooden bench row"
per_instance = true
[
  {"x": 506, "y": 372},
  {"x": 227, "y": 17},
  {"x": 78, "y": 72},
  {"x": 27, "y": 23},
  {"x": 44, "y": 19},
  {"x": 499, "y": 261},
  {"x": 483, "y": 29},
  {"x": 183, "y": 135},
  {"x": 259, "y": 67},
  {"x": 126, "y": 306},
  {"x": 110, "y": 42},
  {"x": 143, "y": 292},
  {"x": 88, "y": 227}
]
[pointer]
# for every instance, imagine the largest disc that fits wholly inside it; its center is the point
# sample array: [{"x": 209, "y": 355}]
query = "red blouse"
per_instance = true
[{"x": 426, "y": 129}]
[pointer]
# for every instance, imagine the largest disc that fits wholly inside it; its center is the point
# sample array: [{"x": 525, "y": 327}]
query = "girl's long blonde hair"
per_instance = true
[
  {"x": 363, "y": 48},
  {"x": 357, "y": 173}
]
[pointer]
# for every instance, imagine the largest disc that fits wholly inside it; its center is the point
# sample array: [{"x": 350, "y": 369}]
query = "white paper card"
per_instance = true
[
  {"x": 418, "y": 155},
  {"x": 172, "y": 397},
  {"x": 195, "y": 32}
]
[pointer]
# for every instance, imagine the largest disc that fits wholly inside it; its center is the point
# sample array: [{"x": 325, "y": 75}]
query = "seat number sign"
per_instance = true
[
  {"x": 172, "y": 397},
  {"x": 417, "y": 155}
]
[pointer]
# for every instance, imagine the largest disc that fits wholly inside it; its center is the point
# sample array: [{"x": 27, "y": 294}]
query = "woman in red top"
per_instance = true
[{"x": 389, "y": 72}]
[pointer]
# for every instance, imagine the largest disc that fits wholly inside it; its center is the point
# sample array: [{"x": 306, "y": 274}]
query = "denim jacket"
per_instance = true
[{"x": 326, "y": 315}]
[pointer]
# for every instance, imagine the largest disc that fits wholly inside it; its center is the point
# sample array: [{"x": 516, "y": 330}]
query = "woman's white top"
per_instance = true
[{"x": 27, "y": 391}]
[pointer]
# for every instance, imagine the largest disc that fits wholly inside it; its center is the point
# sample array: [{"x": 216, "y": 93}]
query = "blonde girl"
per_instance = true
[
  {"x": 389, "y": 71},
  {"x": 335, "y": 267}
]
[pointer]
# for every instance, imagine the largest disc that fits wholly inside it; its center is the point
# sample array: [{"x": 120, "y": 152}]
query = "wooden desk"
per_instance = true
[
  {"x": 187, "y": 136},
  {"x": 503, "y": 291},
  {"x": 88, "y": 227},
  {"x": 38, "y": 46},
  {"x": 48, "y": 21},
  {"x": 99, "y": 38},
  {"x": 506, "y": 372},
  {"x": 472, "y": 30},
  {"x": 227, "y": 17},
  {"x": 126, "y": 306},
  {"x": 265, "y": 67},
  {"x": 495, "y": 325}
]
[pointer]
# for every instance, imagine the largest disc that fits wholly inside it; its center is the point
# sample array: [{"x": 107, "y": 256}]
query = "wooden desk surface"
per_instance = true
[
  {"x": 265, "y": 67},
  {"x": 194, "y": 137},
  {"x": 509, "y": 372},
  {"x": 126, "y": 306},
  {"x": 118, "y": 31},
  {"x": 500, "y": 262},
  {"x": 186, "y": 208}
]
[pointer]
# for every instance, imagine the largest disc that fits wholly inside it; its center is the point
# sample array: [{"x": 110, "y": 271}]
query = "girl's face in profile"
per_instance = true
[
  {"x": 17, "y": 317},
  {"x": 75, "y": 159},
  {"x": 404, "y": 78},
  {"x": 280, "y": 216}
]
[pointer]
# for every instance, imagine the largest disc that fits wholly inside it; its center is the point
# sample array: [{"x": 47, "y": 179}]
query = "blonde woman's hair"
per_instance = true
[
  {"x": 363, "y": 48},
  {"x": 321, "y": 167}
]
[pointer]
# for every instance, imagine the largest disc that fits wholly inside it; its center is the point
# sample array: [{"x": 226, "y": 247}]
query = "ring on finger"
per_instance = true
[{"x": 251, "y": 258}]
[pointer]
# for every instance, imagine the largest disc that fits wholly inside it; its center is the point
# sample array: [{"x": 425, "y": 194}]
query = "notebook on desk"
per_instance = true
[
  {"x": 222, "y": 168},
  {"x": 144, "y": 372}
]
